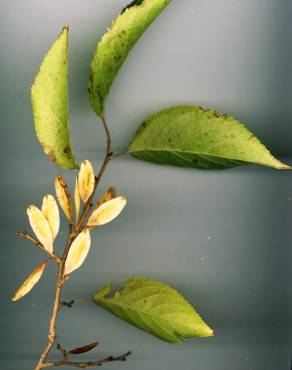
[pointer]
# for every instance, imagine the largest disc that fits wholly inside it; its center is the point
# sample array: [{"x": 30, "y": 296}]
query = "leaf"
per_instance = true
[
  {"x": 63, "y": 197},
  {"x": 86, "y": 180},
  {"x": 155, "y": 308},
  {"x": 76, "y": 199},
  {"x": 110, "y": 194},
  {"x": 49, "y": 95},
  {"x": 78, "y": 252},
  {"x": 51, "y": 212},
  {"x": 107, "y": 212},
  {"x": 191, "y": 136},
  {"x": 40, "y": 227},
  {"x": 30, "y": 282},
  {"x": 105, "y": 290},
  {"x": 83, "y": 349},
  {"x": 115, "y": 46}
]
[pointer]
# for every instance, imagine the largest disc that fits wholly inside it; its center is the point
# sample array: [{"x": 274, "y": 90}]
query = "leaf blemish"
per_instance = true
[{"x": 51, "y": 154}]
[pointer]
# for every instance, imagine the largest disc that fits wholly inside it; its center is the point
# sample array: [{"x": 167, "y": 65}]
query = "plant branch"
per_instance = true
[
  {"x": 120, "y": 154},
  {"x": 52, "y": 327},
  {"x": 26, "y": 235},
  {"x": 107, "y": 135},
  {"x": 56, "y": 304},
  {"x": 107, "y": 158},
  {"x": 61, "y": 278},
  {"x": 83, "y": 365},
  {"x": 63, "y": 351}
]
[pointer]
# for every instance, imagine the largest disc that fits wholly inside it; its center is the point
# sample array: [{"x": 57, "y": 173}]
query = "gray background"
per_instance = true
[{"x": 221, "y": 238}]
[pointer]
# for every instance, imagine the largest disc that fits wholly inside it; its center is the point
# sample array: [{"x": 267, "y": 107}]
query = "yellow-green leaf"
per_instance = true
[
  {"x": 78, "y": 252},
  {"x": 115, "y": 46},
  {"x": 49, "y": 95},
  {"x": 63, "y": 196},
  {"x": 86, "y": 180},
  {"x": 41, "y": 227},
  {"x": 155, "y": 308},
  {"x": 190, "y": 136},
  {"x": 30, "y": 282},
  {"x": 107, "y": 212},
  {"x": 51, "y": 212}
]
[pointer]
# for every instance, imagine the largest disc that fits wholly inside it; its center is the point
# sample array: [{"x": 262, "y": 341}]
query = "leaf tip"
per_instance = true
[
  {"x": 283, "y": 166},
  {"x": 30, "y": 282},
  {"x": 30, "y": 207},
  {"x": 207, "y": 331},
  {"x": 101, "y": 293}
]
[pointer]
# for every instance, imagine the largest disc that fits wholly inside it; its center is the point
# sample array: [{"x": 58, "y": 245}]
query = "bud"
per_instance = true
[
  {"x": 86, "y": 181},
  {"x": 30, "y": 282},
  {"x": 63, "y": 196},
  {"x": 51, "y": 212},
  {"x": 40, "y": 226},
  {"x": 83, "y": 349},
  {"x": 78, "y": 252},
  {"x": 76, "y": 199},
  {"x": 109, "y": 195},
  {"x": 107, "y": 212}
]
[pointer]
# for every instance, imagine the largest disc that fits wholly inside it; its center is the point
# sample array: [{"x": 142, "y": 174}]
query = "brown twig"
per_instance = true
[
  {"x": 108, "y": 156},
  {"x": 63, "y": 351},
  {"x": 120, "y": 154},
  {"x": 52, "y": 327},
  {"x": 61, "y": 278},
  {"x": 84, "y": 364},
  {"x": 26, "y": 235}
]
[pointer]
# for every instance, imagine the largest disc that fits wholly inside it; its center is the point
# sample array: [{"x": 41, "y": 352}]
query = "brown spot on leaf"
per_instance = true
[
  {"x": 220, "y": 114},
  {"x": 51, "y": 154}
]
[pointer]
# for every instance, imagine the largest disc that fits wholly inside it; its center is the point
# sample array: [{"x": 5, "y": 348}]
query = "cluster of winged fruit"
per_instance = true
[{"x": 45, "y": 222}]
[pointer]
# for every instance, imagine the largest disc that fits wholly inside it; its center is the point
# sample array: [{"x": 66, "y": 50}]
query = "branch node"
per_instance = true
[
  {"x": 24, "y": 234},
  {"x": 63, "y": 351},
  {"x": 61, "y": 278}
]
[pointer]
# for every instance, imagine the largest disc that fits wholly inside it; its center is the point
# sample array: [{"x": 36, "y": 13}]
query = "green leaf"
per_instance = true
[
  {"x": 49, "y": 95},
  {"x": 115, "y": 46},
  {"x": 191, "y": 136},
  {"x": 155, "y": 308}
]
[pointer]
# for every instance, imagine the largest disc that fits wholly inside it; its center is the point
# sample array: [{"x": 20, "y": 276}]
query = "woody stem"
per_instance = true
[
  {"x": 56, "y": 304},
  {"x": 61, "y": 278},
  {"x": 107, "y": 158}
]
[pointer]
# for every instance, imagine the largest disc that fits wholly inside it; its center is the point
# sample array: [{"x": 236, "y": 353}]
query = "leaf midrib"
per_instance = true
[
  {"x": 126, "y": 306},
  {"x": 155, "y": 318},
  {"x": 187, "y": 152}
]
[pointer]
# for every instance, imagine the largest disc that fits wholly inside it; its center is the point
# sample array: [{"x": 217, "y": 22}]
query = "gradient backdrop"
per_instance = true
[{"x": 222, "y": 239}]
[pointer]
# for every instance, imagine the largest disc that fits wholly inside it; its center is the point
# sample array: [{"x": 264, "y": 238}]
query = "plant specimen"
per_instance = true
[{"x": 188, "y": 136}]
